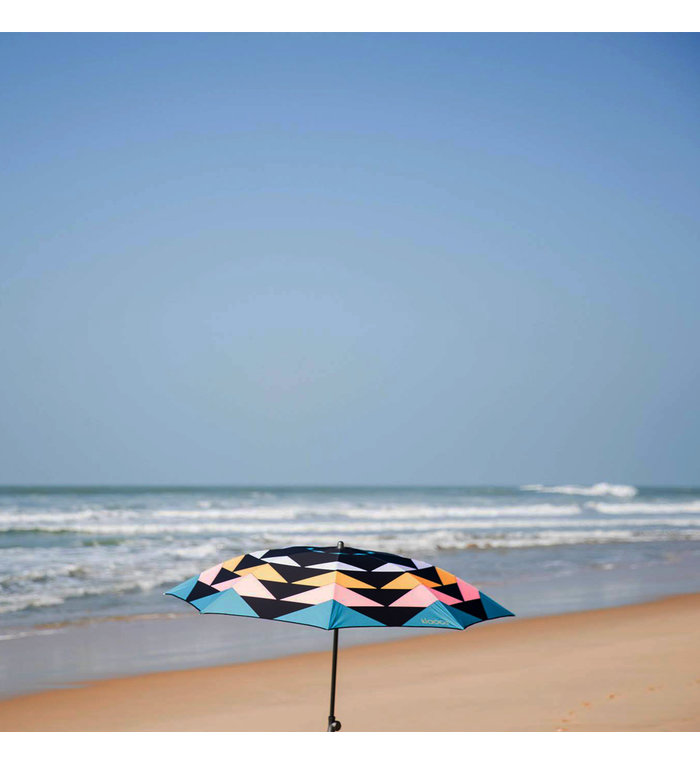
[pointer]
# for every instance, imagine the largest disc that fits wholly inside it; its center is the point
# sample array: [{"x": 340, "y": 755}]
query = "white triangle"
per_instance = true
[
  {"x": 283, "y": 559},
  {"x": 259, "y": 553},
  {"x": 392, "y": 567},
  {"x": 421, "y": 563},
  {"x": 335, "y": 565}
]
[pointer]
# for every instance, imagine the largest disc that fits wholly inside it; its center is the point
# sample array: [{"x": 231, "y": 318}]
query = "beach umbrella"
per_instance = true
[{"x": 337, "y": 587}]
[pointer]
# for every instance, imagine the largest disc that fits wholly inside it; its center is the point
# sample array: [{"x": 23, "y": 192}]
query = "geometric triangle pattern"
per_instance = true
[{"x": 333, "y": 588}]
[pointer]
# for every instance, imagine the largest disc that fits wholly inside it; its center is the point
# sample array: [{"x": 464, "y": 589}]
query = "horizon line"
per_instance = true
[{"x": 243, "y": 486}]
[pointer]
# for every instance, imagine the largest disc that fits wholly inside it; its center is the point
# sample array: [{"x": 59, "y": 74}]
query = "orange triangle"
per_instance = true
[
  {"x": 229, "y": 565},
  {"x": 335, "y": 577},
  {"x": 318, "y": 581},
  {"x": 349, "y": 581},
  {"x": 265, "y": 572},
  {"x": 406, "y": 581},
  {"x": 446, "y": 577}
]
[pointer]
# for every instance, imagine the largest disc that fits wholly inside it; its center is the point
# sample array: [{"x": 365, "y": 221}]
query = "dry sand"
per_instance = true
[{"x": 623, "y": 669}]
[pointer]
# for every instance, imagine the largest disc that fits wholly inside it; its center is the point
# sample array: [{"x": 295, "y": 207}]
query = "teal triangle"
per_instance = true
[
  {"x": 201, "y": 603},
  {"x": 315, "y": 616},
  {"x": 464, "y": 620},
  {"x": 436, "y": 615},
  {"x": 184, "y": 589},
  {"x": 343, "y": 616},
  {"x": 493, "y": 610},
  {"x": 226, "y": 602}
]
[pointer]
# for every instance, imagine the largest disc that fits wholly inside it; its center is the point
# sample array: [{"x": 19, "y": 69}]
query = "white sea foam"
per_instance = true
[
  {"x": 146, "y": 570},
  {"x": 645, "y": 508},
  {"x": 381, "y": 512},
  {"x": 408, "y": 511},
  {"x": 57, "y": 516},
  {"x": 57, "y": 575},
  {"x": 117, "y": 549},
  {"x": 165, "y": 530},
  {"x": 114, "y": 582},
  {"x": 194, "y": 552},
  {"x": 597, "y": 490},
  {"x": 258, "y": 513},
  {"x": 22, "y": 601},
  {"x": 42, "y": 573},
  {"x": 450, "y": 541}
]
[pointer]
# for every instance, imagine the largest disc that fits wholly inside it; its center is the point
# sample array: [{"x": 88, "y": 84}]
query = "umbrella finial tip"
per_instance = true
[{"x": 340, "y": 545}]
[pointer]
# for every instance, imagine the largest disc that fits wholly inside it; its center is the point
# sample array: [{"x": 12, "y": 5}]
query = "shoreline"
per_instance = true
[
  {"x": 61, "y": 653},
  {"x": 631, "y": 667}
]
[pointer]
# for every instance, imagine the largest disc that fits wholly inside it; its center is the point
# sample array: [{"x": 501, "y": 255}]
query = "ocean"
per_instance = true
[{"x": 76, "y": 554}]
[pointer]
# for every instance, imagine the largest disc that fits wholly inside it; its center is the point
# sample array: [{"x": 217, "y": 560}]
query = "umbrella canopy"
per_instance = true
[{"x": 338, "y": 587}]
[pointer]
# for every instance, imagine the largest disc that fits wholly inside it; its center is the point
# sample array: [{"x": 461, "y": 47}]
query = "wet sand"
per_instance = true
[{"x": 630, "y": 668}]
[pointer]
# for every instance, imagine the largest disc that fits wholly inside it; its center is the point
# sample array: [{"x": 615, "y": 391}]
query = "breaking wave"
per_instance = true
[
  {"x": 644, "y": 508},
  {"x": 372, "y": 513},
  {"x": 145, "y": 569},
  {"x": 166, "y": 530},
  {"x": 597, "y": 490},
  {"x": 65, "y": 555}
]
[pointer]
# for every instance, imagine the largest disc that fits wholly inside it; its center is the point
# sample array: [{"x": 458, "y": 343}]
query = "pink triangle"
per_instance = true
[
  {"x": 209, "y": 575},
  {"x": 246, "y": 585},
  {"x": 447, "y": 599},
  {"x": 350, "y": 598},
  {"x": 332, "y": 591},
  {"x": 418, "y": 596},
  {"x": 469, "y": 592}
]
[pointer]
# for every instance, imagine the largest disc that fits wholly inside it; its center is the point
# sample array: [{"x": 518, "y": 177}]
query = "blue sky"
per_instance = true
[{"x": 341, "y": 259}]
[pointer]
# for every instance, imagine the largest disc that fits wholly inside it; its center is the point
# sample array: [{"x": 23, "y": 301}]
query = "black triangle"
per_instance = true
[
  {"x": 200, "y": 590},
  {"x": 384, "y": 597},
  {"x": 280, "y": 551},
  {"x": 365, "y": 562},
  {"x": 428, "y": 573},
  {"x": 473, "y": 607},
  {"x": 248, "y": 561},
  {"x": 223, "y": 576},
  {"x": 266, "y": 608},
  {"x": 289, "y": 573},
  {"x": 285, "y": 589},
  {"x": 309, "y": 558},
  {"x": 374, "y": 578},
  {"x": 390, "y": 617},
  {"x": 452, "y": 590}
]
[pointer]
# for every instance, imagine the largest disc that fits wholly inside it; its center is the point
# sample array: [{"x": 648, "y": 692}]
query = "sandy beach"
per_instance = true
[{"x": 632, "y": 668}]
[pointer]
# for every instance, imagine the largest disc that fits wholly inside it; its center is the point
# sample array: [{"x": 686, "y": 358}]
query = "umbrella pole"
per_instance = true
[{"x": 333, "y": 724}]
